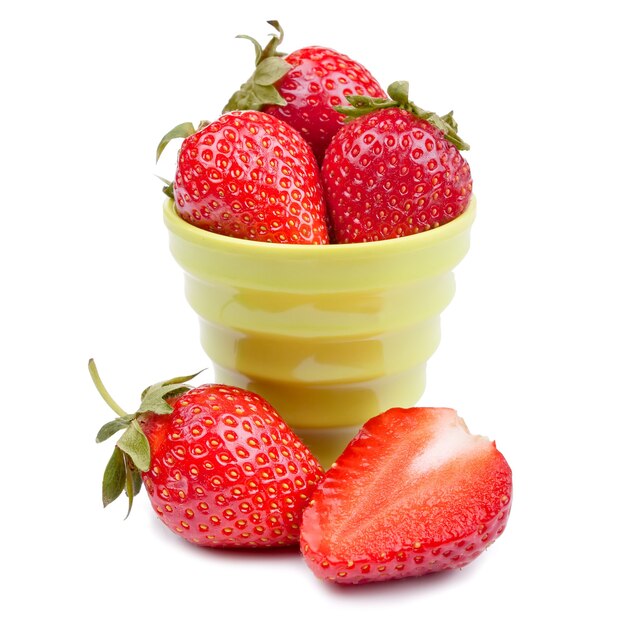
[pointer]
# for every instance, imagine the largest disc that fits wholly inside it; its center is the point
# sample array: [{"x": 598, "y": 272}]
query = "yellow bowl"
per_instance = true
[{"x": 329, "y": 335}]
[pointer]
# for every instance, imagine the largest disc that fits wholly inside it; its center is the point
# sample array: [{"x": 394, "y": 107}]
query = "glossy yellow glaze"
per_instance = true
[{"x": 330, "y": 335}]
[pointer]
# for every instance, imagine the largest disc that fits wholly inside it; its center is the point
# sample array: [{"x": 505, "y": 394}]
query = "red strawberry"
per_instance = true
[
  {"x": 220, "y": 466},
  {"x": 303, "y": 88},
  {"x": 413, "y": 493},
  {"x": 394, "y": 170},
  {"x": 249, "y": 175}
]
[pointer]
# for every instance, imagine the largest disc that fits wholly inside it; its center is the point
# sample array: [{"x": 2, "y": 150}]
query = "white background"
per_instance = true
[{"x": 533, "y": 344}]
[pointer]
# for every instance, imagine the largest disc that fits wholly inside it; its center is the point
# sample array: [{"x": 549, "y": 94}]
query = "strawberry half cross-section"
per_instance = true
[{"x": 413, "y": 493}]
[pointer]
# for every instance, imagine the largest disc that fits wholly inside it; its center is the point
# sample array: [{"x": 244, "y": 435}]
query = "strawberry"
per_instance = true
[
  {"x": 248, "y": 175},
  {"x": 393, "y": 170},
  {"x": 303, "y": 88},
  {"x": 220, "y": 466},
  {"x": 414, "y": 492}
]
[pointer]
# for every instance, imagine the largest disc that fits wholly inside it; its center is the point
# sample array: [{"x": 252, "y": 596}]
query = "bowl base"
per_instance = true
[{"x": 327, "y": 444}]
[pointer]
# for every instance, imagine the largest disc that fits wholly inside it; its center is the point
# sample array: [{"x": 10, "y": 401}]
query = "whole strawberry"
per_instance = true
[
  {"x": 220, "y": 466},
  {"x": 249, "y": 175},
  {"x": 303, "y": 88},
  {"x": 413, "y": 493},
  {"x": 393, "y": 170}
]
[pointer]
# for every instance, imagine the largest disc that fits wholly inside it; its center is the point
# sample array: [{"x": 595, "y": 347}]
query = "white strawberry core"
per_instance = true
[{"x": 451, "y": 440}]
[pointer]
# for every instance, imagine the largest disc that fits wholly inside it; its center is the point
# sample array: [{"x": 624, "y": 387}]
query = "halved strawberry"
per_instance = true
[{"x": 413, "y": 493}]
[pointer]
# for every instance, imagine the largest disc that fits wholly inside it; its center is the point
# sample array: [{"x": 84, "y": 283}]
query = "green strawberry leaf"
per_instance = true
[
  {"x": 362, "y": 105},
  {"x": 263, "y": 95},
  {"x": 270, "y": 70},
  {"x": 154, "y": 398},
  {"x": 128, "y": 487},
  {"x": 449, "y": 119},
  {"x": 399, "y": 97},
  {"x": 131, "y": 455},
  {"x": 167, "y": 387},
  {"x": 181, "y": 379},
  {"x": 270, "y": 49},
  {"x": 132, "y": 482},
  {"x": 177, "y": 380},
  {"x": 246, "y": 100},
  {"x": 114, "y": 477},
  {"x": 137, "y": 482},
  {"x": 135, "y": 444},
  {"x": 399, "y": 91},
  {"x": 154, "y": 402},
  {"x": 168, "y": 188},
  {"x": 279, "y": 38},
  {"x": 257, "y": 46},
  {"x": 182, "y": 131},
  {"x": 270, "y": 66},
  {"x": 110, "y": 428}
]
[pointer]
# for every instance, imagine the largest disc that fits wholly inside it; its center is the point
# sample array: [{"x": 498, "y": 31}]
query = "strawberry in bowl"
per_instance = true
[
  {"x": 304, "y": 88},
  {"x": 393, "y": 169},
  {"x": 248, "y": 175}
]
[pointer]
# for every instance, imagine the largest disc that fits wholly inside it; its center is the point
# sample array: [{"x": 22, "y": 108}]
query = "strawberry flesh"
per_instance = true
[{"x": 413, "y": 493}]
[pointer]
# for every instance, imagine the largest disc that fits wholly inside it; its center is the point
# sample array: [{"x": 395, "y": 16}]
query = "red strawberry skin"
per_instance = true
[
  {"x": 413, "y": 493},
  {"x": 251, "y": 176},
  {"x": 390, "y": 174},
  {"x": 320, "y": 79},
  {"x": 226, "y": 471}
]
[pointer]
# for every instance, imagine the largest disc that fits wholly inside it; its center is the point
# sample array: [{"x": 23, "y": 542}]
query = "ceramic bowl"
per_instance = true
[{"x": 329, "y": 335}]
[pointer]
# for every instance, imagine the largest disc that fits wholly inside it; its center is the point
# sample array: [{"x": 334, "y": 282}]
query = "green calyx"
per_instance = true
[
  {"x": 399, "y": 98},
  {"x": 131, "y": 454},
  {"x": 270, "y": 67},
  {"x": 181, "y": 131}
]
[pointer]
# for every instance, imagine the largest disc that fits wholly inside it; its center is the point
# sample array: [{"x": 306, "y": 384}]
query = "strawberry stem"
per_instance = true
[
  {"x": 270, "y": 66},
  {"x": 95, "y": 376},
  {"x": 131, "y": 455},
  {"x": 271, "y": 49}
]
